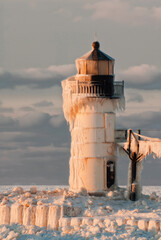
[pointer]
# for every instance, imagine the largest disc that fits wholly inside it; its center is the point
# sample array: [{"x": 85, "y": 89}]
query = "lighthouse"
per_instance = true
[{"x": 90, "y": 101}]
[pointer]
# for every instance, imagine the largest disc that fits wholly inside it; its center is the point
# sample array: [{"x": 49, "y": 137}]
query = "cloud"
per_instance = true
[
  {"x": 36, "y": 77},
  {"x": 124, "y": 11},
  {"x": 143, "y": 77},
  {"x": 157, "y": 13},
  {"x": 38, "y": 119},
  {"x": 33, "y": 144},
  {"x": 26, "y": 109},
  {"x": 57, "y": 120},
  {"x": 134, "y": 97},
  {"x": 145, "y": 121},
  {"x": 33, "y": 129},
  {"x": 43, "y": 103},
  {"x": 15, "y": 136},
  {"x": 7, "y": 122},
  {"x": 78, "y": 19},
  {"x": 32, "y": 119},
  {"x": 49, "y": 72},
  {"x": 45, "y": 150},
  {"x": 6, "y": 110},
  {"x": 34, "y": 148},
  {"x": 40, "y": 171}
]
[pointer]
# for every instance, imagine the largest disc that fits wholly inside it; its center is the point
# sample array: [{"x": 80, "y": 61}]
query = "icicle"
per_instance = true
[
  {"x": 149, "y": 146},
  {"x": 41, "y": 215},
  {"x": 53, "y": 217},
  {"x": 119, "y": 104},
  {"x": 74, "y": 101},
  {"x": 29, "y": 215},
  {"x": 16, "y": 213},
  {"x": 4, "y": 214}
]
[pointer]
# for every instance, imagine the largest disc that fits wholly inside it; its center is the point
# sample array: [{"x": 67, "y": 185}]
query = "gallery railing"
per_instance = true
[{"x": 98, "y": 89}]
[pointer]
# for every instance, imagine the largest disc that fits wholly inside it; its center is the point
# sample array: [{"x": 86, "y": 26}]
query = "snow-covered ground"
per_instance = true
[
  {"x": 82, "y": 216},
  {"x": 145, "y": 189}
]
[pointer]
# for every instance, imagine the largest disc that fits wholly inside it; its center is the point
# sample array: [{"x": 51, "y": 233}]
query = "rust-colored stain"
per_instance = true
[{"x": 85, "y": 161}]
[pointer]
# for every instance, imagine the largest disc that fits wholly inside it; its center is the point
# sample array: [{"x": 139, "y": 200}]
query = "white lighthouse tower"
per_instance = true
[{"x": 90, "y": 99}]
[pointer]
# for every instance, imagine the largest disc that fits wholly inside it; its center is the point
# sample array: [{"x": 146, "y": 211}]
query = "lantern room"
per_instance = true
[
  {"x": 95, "y": 73},
  {"x": 95, "y": 62}
]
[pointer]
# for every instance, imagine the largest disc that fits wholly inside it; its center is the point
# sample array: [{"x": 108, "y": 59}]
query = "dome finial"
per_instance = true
[{"x": 95, "y": 45}]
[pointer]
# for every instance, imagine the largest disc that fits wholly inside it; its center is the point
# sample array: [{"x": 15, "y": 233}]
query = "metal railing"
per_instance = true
[
  {"x": 118, "y": 89},
  {"x": 98, "y": 89}
]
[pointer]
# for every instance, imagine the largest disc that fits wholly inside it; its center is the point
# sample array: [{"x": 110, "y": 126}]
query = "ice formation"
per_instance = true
[
  {"x": 91, "y": 121},
  {"x": 138, "y": 185},
  {"x": 90, "y": 99},
  {"x": 73, "y": 102},
  {"x": 146, "y": 146},
  {"x": 142, "y": 146},
  {"x": 62, "y": 214}
]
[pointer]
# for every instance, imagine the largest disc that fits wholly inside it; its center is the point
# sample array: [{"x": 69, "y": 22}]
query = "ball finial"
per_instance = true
[{"x": 95, "y": 45}]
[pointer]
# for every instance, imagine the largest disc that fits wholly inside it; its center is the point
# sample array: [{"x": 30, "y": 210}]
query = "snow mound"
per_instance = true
[{"x": 62, "y": 214}]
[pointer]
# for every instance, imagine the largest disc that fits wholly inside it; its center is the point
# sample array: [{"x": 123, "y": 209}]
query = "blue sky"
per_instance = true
[{"x": 39, "y": 42}]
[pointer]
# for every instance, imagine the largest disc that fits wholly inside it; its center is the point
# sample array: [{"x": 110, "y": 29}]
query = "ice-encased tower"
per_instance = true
[{"x": 90, "y": 99}]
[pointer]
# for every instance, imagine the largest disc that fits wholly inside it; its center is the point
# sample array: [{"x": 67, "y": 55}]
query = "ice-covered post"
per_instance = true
[
  {"x": 90, "y": 100},
  {"x": 133, "y": 177},
  {"x": 135, "y": 165},
  {"x": 133, "y": 158}
]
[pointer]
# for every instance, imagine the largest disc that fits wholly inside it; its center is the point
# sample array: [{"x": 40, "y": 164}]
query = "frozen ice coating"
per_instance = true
[
  {"x": 41, "y": 216},
  {"x": 147, "y": 145},
  {"x": 16, "y": 213},
  {"x": 29, "y": 215},
  {"x": 63, "y": 214},
  {"x": 137, "y": 180},
  {"x": 90, "y": 100},
  {"x": 4, "y": 214},
  {"x": 138, "y": 147}
]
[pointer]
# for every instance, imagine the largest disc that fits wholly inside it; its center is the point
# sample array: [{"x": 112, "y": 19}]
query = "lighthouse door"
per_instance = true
[{"x": 110, "y": 173}]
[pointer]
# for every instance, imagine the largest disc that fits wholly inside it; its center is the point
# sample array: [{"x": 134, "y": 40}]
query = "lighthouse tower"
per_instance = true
[{"x": 90, "y": 100}]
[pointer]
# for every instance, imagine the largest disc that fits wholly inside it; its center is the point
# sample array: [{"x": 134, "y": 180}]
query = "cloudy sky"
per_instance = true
[{"x": 39, "y": 42}]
